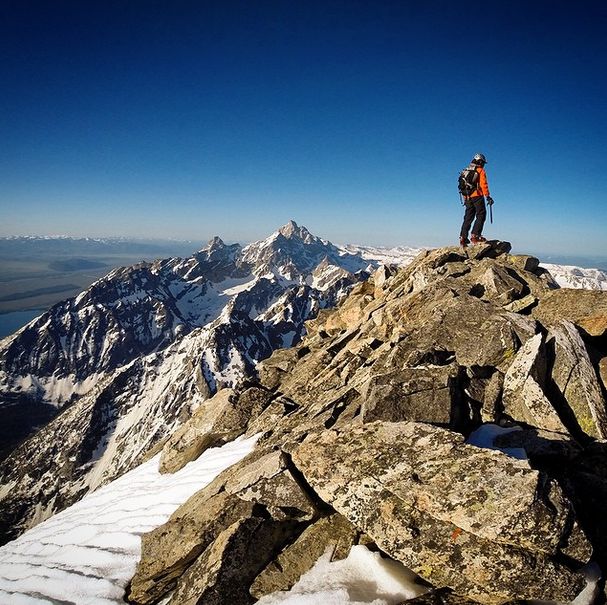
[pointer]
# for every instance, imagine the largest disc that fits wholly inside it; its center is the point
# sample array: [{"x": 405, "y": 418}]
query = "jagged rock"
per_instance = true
[
  {"x": 217, "y": 421},
  {"x": 546, "y": 278},
  {"x": 443, "y": 510},
  {"x": 270, "y": 481},
  {"x": 491, "y": 397},
  {"x": 494, "y": 281},
  {"x": 167, "y": 551},
  {"x": 541, "y": 445},
  {"x": 523, "y": 398},
  {"x": 259, "y": 487},
  {"x": 524, "y": 262},
  {"x": 269, "y": 418},
  {"x": 587, "y": 309},
  {"x": 493, "y": 341},
  {"x": 455, "y": 269},
  {"x": 224, "y": 571},
  {"x": 272, "y": 370},
  {"x": 489, "y": 249},
  {"x": 423, "y": 394},
  {"x": 334, "y": 532},
  {"x": 575, "y": 381},
  {"x": 441, "y": 596},
  {"x": 381, "y": 276},
  {"x": 522, "y": 304}
]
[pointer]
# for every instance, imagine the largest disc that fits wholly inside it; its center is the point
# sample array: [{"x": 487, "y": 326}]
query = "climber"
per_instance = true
[{"x": 474, "y": 190}]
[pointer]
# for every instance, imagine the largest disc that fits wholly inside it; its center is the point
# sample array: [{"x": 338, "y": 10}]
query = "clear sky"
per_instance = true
[{"x": 190, "y": 119}]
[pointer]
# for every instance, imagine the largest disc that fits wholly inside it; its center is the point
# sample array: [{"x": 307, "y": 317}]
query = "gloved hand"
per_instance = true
[{"x": 489, "y": 200}]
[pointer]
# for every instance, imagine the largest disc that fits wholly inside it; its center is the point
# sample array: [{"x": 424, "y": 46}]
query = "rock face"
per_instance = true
[
  {"x": 575, "y": 380},
  {"x": 523, "y": 397},
  {"x": 362, "y": 438},
  {"x": 478, "y": 522}
]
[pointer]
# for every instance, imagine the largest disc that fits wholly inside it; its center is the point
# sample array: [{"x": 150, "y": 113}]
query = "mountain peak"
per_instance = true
[
  {"x": 293, "y": 230},
  {"x": 215, "y": 244}
]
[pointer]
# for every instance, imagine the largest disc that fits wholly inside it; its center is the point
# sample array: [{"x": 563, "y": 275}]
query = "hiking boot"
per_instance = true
[
  {"x": 478, "y": 239},
  {"x": 463, "y": 241}
]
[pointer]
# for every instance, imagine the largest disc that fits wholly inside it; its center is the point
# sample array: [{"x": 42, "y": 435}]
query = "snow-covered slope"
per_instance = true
[
  {"x": 88, "y": 553},
  {"x": 568, "y": 276}
]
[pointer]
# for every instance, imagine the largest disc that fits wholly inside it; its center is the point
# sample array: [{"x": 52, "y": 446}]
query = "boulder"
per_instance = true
[
  {"x": 493, "y": 341},
  {"x": 473, "y": 520},
  {"x": 169, "y": 550},
  {"x": 424, "y": 394},
  {"x": 333, "y": 532},
  {"x": 275, "y": 367},
  {"x": 269, "y": 480},
  {"x": 574, "y": 380},
  {"x": 522, "y": 304},
  {"x": 225, "y": 570},
  {"x": 261, "y": 486},
  {"x": 524, "y": 262},
  {"x": 587, "y": 309},
  {"x": 381, "y": 276},
  {"x": 217, "y": 421},
  {"x": 523, "y": 397},
  {"x": 490, "y": 249},
  {"x": 494, "y": 281}
]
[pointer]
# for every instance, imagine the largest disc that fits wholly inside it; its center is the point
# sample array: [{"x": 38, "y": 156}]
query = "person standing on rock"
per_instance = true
[{"x": 475, "y": 191}]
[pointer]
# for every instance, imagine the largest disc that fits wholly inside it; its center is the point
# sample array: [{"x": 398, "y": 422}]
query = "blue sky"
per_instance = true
[{"x": 190, "y": 119}]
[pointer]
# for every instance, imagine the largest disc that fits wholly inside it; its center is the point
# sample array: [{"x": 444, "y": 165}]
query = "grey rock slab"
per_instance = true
[
  {"x": 575, "y": 379},
  {"x": 523, "y": 398},
  {"x": 333, "y": 532},
  {"x": 522, "y": 304},
  {"x": 496, "y": 281},
  {"x": 585, "y": 308},
  {"x": 474, "y": 520},
  {"x": 224, "y": 572},
  {"x": 217, "y": 421},
  {"x": 269, "y": 481},
  {"x": 524, "y": 262},
  {"x": 169, "y": 550},
  {"x": 424, "y": 394}
]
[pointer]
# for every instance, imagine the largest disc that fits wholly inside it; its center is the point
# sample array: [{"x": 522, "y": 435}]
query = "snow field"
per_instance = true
[{"x": 87, "y": 554}]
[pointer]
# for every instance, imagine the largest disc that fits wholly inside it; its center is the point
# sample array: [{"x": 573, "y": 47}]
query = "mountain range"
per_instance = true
[{"x": 122, "y": 364}]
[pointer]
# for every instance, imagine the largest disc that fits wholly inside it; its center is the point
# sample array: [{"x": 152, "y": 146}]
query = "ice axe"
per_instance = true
[{"x": 490, "y": 204}]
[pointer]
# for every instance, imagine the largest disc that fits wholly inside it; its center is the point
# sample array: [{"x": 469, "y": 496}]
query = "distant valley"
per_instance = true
[{"x": 38, "y": 272}]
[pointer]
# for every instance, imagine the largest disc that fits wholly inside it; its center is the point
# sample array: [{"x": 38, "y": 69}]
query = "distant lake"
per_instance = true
[{"x": 11, "y": 322}]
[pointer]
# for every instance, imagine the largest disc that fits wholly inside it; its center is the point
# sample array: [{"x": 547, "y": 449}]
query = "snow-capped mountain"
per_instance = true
[
  {"x": 568, "y": 276},
  {"x": 139, "y": 350}
]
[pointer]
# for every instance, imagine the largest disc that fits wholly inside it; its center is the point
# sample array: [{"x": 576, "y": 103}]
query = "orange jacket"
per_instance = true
[{"x": 483, "y": 186}]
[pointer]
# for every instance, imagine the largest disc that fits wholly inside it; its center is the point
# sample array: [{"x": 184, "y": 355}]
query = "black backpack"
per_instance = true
[{"x": 467, "y": 183}]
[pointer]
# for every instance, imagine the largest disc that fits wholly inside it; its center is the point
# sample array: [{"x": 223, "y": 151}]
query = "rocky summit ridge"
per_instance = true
[{"x": 366, "y": 436}]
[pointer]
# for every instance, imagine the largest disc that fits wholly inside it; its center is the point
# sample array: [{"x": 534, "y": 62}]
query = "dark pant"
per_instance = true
[{"x": 475, "y": 207}]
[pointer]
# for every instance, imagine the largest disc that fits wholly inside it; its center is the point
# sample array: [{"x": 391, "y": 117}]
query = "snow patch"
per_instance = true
[
  {"x": 486, "y": 434},
  {"x": 364, "y": 577}
]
